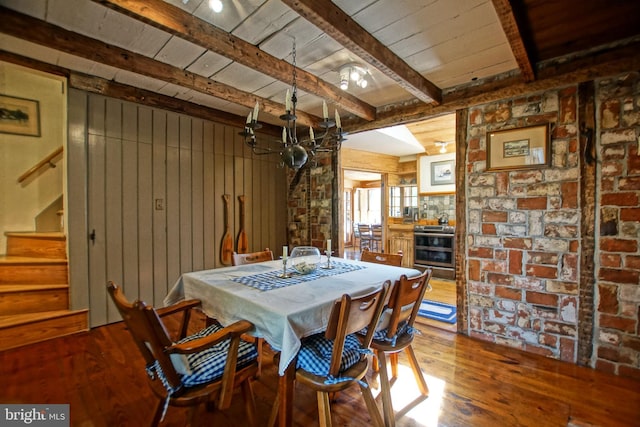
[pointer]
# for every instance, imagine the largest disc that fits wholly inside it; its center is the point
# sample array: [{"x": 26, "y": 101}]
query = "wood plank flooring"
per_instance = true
[{"x": 472, "y": 383}]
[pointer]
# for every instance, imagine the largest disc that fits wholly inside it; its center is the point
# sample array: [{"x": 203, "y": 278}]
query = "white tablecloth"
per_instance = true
[{"x": 281, "y": 316}]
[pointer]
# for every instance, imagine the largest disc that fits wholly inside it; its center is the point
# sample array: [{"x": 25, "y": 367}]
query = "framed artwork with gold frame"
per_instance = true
[{"x": 521, "y": 148}]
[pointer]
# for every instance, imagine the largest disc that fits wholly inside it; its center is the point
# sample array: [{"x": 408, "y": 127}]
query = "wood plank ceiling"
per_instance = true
[{"x": 425, "y": 57}]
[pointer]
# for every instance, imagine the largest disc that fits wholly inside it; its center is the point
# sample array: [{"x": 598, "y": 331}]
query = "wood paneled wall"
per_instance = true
[{"x": 154, "y": 186}]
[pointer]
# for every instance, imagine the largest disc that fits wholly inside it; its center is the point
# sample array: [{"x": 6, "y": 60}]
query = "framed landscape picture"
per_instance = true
[
  {"x": 443, "y": 172},
  {"x": 521, "y": 148},
  {"x": 19, "y": 116},
  {"x": 437, "y": 174}
]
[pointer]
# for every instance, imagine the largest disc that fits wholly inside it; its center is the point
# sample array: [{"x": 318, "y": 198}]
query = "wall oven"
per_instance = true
[{"x": 434, "y": 246}]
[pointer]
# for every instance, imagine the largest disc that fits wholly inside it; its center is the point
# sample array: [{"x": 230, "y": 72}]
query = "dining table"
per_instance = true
[{"x": 283, "y": 310}]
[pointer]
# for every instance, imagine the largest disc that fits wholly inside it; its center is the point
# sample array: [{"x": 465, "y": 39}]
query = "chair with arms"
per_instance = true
[
  {"x": 201, "y": 368},
  {"x": 252, "y": 257},
  {"x": 395, "y": 333},
  {"x": 380, "y": 258},
  {"x": 332, "y": 361}
]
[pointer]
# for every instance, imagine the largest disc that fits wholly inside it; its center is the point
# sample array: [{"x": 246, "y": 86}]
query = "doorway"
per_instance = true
[
  {"x": 405, "y": 198},
  {"x": 363, "y": 204}
]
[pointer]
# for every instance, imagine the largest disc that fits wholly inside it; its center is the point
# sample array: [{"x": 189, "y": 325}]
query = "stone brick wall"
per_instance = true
[
  {"x": 617, "y": 334},
  {"x": 310, "y": 203},
  {"x": 523, "y": 231}
]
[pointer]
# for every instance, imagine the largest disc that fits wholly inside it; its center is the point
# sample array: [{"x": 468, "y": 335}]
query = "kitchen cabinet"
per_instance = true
[{"x": 400, "y": 238}]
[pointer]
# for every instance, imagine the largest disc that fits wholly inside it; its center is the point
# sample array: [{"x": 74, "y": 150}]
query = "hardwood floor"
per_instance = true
[
  {"x": 472, "y": 383},
  {"x": 443, "y": 290}
]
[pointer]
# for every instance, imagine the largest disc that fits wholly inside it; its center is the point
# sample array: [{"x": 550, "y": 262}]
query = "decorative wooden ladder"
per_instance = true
[{"x": 34, "y": 291}]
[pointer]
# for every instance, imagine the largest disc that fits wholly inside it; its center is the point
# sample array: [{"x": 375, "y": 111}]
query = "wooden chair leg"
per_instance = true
[
  {"x": 417, "y": 372},
  {"x": 274, "y": 412},
  {"x": 385, "y": 391},
  {"x": 374, "y": 364},
  {"x": 259, "y": 342},
  {"x": 192, "y": 415},
  {"x": 249, "y": 402},
  {"x": 394, "y": 365},
  {"x": 259, "y": 346},
  {"x": 157, "y": 414},
  {"x": 371, "y": 404},
  {"x": 324, "y": 409}
]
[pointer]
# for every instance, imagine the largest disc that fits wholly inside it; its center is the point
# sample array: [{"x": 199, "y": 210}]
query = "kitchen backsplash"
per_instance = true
[{"x": 433, "y": 207}]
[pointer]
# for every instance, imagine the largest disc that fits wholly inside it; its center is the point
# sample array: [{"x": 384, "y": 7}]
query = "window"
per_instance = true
[
  {"x": 395, "y": 201},
  {"x": 367, "y": 206},
  {"x": 402, "y": 197},
  {"x": 347, "y": 216}
]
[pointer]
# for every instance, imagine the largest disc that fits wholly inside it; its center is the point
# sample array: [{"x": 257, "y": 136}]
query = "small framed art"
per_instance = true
[{"x": 521, "y": 148}]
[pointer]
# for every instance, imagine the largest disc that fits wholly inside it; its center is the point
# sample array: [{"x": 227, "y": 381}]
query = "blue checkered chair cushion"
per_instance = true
[
  {"x": 381, "y": 334},
  {"x": 205, "y": 366},
  {"x": 315, "y": 354},
  {"x": 208, "y": 364}
]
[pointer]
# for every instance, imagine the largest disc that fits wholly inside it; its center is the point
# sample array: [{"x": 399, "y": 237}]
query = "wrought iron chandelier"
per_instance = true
[{"x": 295, "y": 152}]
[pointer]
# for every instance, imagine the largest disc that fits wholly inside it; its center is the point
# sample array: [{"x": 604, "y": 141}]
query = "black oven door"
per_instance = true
[
  {"x": 432, "y": 240},
  {"x": 433, "y": 249}
]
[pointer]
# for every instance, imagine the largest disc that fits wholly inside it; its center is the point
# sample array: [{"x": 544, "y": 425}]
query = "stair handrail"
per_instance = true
[{"x": 46, "y": 161}]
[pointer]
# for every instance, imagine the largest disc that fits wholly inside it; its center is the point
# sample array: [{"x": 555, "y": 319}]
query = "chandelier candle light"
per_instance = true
[{"x": 295, "y": 152}]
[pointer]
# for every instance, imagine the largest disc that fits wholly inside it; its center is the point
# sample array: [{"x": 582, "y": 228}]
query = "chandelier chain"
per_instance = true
[{"x": 294, "y": 153}]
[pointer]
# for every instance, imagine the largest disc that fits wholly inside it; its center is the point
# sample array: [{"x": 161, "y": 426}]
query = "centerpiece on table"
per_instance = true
[{"x": 305, "y": 259}]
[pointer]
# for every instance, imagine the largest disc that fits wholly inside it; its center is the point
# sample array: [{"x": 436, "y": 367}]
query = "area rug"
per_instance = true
[{"x": 438, "y": 311}]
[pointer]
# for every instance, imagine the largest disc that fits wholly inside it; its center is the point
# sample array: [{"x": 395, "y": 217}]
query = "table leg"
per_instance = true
[{"x": 285, "y": 392}]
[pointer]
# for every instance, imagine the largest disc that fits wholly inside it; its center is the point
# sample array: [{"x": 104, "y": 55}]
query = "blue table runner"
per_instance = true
[{"x": 270, "y": 280}]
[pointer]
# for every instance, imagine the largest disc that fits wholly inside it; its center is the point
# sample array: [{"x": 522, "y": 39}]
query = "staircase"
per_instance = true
[{"x": 34, "y": 291}]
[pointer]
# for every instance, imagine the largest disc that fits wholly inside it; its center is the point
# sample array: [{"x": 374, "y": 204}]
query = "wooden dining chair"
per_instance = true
[
  {"x": 356, "y": 236},
  {"x": 201, "y": 368},
  {"x": 395, "y": 333},
  {"x": 381, "y": 258},
  {"x": 365, "y": 235},
  {"x": 336, "y": 359},
  {"x": 376, "y": 237},
  {"x": 252, "y": 257}
]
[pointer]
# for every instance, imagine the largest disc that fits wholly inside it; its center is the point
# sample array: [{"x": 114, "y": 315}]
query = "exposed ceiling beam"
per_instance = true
[
  {"x": 174, "y": 20},
  {"x": 133, "y": 94},
  {"x": 342, "y": 28},
  {"x": 510, "y": 26},
  {"x": 36, "y": 31},
  {"x": 551, "y": 75}
]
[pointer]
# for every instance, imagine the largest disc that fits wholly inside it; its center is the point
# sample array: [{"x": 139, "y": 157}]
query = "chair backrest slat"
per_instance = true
[
  {"x": 253, "y": 257},
  {"x": 381, "y": 258},
  {"x": 351, "y": 314},
  {"x": 148, "y": 332},
  {"x": 405, "y": 292},
  {"x": 364, "y": 229}
]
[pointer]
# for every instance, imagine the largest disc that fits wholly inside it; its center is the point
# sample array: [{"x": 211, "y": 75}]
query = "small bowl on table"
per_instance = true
[{"x": 305, "y": 259}]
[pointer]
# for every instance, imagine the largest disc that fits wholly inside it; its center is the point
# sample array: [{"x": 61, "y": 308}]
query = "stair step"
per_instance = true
[
  {"x": 18, "y": 299},
  {"x": 38, "y": 245},
  {"x": 27, "y": 270},
  {"x": 23, "y": 329}
]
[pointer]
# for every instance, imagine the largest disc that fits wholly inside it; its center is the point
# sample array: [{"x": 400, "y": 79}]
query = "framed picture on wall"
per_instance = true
[
  {"x": 443, "y": 172},
  {"x": 437, "y": 174},
  {"x": 521, "y": 148},
  {"x": 19, "y": 116}
]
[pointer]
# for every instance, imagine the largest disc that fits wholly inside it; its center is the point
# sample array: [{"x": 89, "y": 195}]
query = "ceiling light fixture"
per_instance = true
[
  {"x": 443, "y": 146},
  {"x": 295, "y": 152},
  {"x": 216, "y": 5},
  {"x": 355, "y": 73}
]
